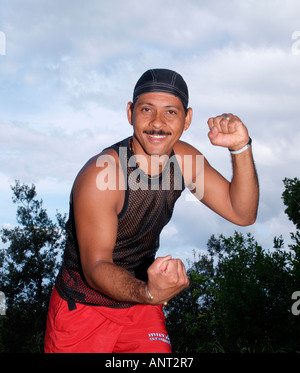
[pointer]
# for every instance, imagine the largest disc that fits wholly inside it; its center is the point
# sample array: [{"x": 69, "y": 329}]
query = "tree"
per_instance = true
[
  {"x": 291, "y": 199},
  {"x": 253, "y": 304},
  {"x": 188, "y": 314},
  {"x": 239, "y": 300},
  {"x": 29, "y": 266}
]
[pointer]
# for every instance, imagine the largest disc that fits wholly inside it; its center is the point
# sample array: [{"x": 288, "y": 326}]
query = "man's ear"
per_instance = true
[
  {"x": 188, "y": 118},
  {"x": 130, "y": 113}
]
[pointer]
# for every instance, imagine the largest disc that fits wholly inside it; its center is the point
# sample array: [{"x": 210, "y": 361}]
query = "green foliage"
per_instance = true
[
  {"x": 291, "y": 199},
  {"x": 242, "y": 303},
  {"x": 29, "y": 265}
]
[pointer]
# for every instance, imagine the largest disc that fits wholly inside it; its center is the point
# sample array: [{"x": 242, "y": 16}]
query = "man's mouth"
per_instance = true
[{"x": 157, "y": 134}]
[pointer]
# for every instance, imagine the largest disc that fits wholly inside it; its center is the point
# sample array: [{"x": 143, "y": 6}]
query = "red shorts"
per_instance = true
[{"x": 138, "y": 329}]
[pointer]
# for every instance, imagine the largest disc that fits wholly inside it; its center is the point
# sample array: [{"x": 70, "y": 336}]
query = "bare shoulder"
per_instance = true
[
  {"x": 99, "y": 180},
  {"x": 183, "y": 148},
  {"x": 191, "y": 162}
]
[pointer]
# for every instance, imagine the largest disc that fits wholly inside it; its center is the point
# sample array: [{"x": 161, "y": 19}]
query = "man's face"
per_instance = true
[{"x": 158, "y": 121}]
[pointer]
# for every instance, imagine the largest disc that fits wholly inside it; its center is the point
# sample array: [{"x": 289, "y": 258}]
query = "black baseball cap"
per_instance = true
[{"x": 162, "y": 80}]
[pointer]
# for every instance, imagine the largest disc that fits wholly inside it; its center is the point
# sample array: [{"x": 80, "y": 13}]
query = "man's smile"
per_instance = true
[{"x": 157, "y": 135}]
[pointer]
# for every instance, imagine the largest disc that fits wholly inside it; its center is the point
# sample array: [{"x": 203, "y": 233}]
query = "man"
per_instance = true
[{"x": 110, "y": 291}]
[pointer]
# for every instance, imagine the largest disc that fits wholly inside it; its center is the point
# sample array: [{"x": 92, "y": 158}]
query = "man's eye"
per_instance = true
[{"x": 171, "y": 112}]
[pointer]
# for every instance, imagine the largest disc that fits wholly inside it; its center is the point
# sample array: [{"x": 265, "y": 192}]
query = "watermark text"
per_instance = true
[
  {"x": 296, "y": 44},
  {"x": 159, "y": 172},
  {"x": 296, "y": 305},
  {"x": 2, "y": 304},
  {"x": 2, "y": 43}
]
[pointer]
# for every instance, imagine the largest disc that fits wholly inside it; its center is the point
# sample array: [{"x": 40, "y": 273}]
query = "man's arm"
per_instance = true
[
  {"x": 96, "y": 218},
  {"x": 236, "y": 201}
]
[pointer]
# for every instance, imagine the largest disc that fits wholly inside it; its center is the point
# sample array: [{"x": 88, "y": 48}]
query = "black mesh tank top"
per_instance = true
[{"x": 148, "y": 207}]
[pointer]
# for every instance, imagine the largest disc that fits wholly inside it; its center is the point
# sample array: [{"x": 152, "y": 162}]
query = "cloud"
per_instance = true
[{"x": 59, "y": 146}]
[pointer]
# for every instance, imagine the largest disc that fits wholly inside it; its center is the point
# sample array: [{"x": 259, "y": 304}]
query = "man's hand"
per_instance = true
[
  {"x": 228, "y": 130},
  {"x": 166, "y": 278}
]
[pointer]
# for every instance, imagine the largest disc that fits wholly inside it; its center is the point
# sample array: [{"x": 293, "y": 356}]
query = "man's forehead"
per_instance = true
[{"x": 161, "y": 99}]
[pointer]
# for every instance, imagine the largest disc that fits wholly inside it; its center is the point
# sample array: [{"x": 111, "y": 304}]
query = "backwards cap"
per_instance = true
[{"x": 162, "y": 80}]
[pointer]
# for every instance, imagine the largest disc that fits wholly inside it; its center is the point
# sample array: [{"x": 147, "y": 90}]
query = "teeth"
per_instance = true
[{"x": 158, "y": 136}]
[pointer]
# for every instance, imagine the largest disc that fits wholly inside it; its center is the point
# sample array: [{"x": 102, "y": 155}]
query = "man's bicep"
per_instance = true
[
  {"x": 96, "y": 223},
  {"x": 96, "y": 235}
]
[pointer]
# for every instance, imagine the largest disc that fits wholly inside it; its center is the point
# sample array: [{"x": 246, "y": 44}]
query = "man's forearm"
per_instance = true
[
  {"x": 117, "y": 283},
  {"x": 244, "y": 189}
]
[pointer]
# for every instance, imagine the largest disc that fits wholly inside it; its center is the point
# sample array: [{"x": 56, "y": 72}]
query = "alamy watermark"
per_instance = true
[
  {"x": 192, "y": 166},
  {"x": 296, "y": 44},
  {"x": 2, "y": 304},
  {"x": 296, "y": 305},
  {"x": 2, "y": 43}
]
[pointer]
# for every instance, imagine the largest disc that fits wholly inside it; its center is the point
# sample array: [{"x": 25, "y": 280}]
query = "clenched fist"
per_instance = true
[
  {"x": 228, "y": 130},
  {"x": 166, "y": 278}
]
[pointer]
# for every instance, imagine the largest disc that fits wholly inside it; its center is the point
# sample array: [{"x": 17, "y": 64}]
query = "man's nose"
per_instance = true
[{"x": 157, "y": 121}]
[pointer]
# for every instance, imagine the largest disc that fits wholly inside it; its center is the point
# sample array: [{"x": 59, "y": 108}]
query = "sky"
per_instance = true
[{"x": 68, "y": 69}]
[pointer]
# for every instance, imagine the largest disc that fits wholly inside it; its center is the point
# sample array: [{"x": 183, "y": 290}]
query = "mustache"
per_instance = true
[{"x": 158, "y": 133}]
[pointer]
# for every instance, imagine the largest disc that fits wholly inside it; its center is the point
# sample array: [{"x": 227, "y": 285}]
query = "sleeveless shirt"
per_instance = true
[{"x": 148, "y": 207}]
